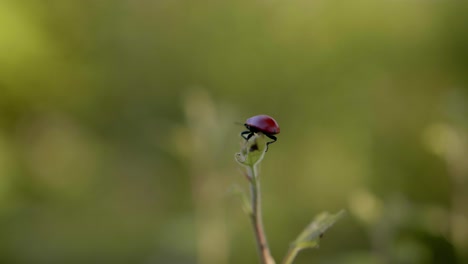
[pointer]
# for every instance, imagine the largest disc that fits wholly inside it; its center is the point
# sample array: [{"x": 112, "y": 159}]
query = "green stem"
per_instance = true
[
  {"x": 291, "y": 255},
  {"x": 256, "y": 217}
]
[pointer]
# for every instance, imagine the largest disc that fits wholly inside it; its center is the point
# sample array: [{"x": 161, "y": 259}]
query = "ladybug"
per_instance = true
[{"x": 261, "y": 123}]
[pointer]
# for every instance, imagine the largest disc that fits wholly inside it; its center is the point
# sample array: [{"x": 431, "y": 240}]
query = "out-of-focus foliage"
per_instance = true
[{"x": 118, "y": 134}]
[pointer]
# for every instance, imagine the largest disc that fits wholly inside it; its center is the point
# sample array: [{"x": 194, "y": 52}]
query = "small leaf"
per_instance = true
[
  {"x": 252, "y": 151},
  {"x": 238, "y": 191},
  {"x": 310, "y": 237}
]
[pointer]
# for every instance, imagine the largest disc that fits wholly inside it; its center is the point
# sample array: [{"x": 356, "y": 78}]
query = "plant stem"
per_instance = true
[
  {"x": 256, "y": 217},
  {"x": 291, "y": 255}
]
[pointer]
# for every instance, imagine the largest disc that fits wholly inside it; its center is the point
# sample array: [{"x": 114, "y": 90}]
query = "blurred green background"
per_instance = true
[{"x": 118, "y": 129}]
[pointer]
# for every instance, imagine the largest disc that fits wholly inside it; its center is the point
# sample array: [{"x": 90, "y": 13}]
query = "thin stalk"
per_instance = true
[
  {"x": 256, "y": 218},
  {"x": 291, "y": 255}
]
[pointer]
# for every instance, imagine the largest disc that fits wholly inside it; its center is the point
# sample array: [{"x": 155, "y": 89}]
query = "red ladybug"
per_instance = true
[{"x": 261, "y": 123}]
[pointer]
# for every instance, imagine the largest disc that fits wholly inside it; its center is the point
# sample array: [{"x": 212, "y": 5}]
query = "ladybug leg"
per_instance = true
[
  {"x": 250, "y": 134},
  {"x": 271, "y": 137}
]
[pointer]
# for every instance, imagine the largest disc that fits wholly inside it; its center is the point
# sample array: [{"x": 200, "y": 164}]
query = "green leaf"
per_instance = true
[
  {"x": 252, "y": 151},
  {"x": 238, "y": 191},
  {"x": 310, "y": 236}
]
